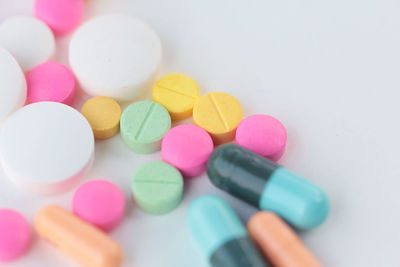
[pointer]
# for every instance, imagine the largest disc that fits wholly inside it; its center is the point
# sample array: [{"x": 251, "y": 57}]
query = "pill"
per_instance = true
[
  {"x": 61, "y": 16},
  {"x": 279, "y": 242},
  {"x": 177, "y": 93},
  {"x": 12, "y": 85},
  {"x": 143, "y": 125},
  {"x": 103, "y": 114},
  {"x": 100, "y": 203},
  {"x": 29, "y": 40},
  {"x": 262, "y": 134},
  {"x": 78, "y": 239},
  {"x": 266, "y": 185},
  {"x": 116, "y": 56},
  {"x": 15, "y": 235},
  {"x": 219, "y": 114},
  {"x": 220, "y": 234},
  {"x": 187, "y": 148},
  {"x": 46, "y": 147},
  {"x": 157, "y": 187},
  {"x": 51, "y": 81}
]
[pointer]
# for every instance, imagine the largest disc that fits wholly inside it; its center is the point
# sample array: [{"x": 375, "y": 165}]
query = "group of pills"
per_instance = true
[{"x": 47, "y": 147}]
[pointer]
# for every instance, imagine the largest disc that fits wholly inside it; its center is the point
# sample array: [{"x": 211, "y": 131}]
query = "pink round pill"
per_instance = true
[
  {"x": 100, "y": 203},
  {"x": 263, "y": 135},
  {"x": 51, "y": 81},
  {"x": 187, "y": 147},
  {"x": 61, "y": 16},
  {"x": 15, "y": 234}
]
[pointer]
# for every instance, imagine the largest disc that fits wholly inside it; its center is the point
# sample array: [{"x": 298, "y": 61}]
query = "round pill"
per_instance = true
[
  {"x": 51, "y": 81},
  {"x": 262, "y": 134},
  {"x": 12, "y": 85},
  {"x": 28, "y": 39},
  {"x": 103, "y": 114},
  {"x": 219, "y": 114},
  {"x": 46, "y": 147},
  {"x": 187, "y": 147},
  {"x": 100, "y": 203},
  {"x": 157, "y": 187},
  {"x": 15, "y": 235},
  {"x": 177, "y": 93},
  {"x": 61, "y": 16},
  {"x": 143, "y": 125},
  {"x": 115, "y": 56}
]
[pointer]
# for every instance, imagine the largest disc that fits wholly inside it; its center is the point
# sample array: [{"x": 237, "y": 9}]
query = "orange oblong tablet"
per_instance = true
[
  {"x": 279, "y": 243},
  {"x": 80, "y": 240}
]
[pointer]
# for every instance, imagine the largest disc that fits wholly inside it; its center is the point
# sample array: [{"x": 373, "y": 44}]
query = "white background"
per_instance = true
[{"x": 329, "y": 70}]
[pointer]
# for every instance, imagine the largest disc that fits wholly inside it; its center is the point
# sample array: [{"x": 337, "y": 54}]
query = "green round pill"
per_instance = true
[
  {"x": 157, "y": 187},
  {"x": 143, "y": 125}
]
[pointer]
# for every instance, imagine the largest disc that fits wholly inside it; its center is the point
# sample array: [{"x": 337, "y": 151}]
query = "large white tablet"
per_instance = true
[
  {"x": 12, "y": 85},
  {"x": 116, "y": 56},
  {"x": 29, "y": 40},
  {"x": 46, "y": 147}
]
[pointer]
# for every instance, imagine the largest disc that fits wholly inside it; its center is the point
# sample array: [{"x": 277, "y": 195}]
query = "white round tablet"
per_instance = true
[
  {"x": 116, "y": 56},
  {"x": 29, "y": 40},
  {"x": 12, "y": 85},
  {"x": 46, "y": 147}
]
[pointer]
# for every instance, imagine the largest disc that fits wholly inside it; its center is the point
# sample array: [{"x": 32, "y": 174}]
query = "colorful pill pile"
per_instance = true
[{"x": 47, "y": 146}]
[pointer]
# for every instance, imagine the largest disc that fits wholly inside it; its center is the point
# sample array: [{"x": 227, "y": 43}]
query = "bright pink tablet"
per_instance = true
[
  {"x": 263, "y": 135},
  {"x": 51, "y": 81},
  {"x": 187, "y": 147},
  {"x": 15, "y": 234},
  {"x": 62, "y": 16},
  {"x": 100, "y": 203}
]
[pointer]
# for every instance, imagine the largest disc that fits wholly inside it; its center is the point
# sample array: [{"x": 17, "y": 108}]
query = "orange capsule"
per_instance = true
[
  {"x": 279, "y": 243},
  {"x": 80, "y": 240}
]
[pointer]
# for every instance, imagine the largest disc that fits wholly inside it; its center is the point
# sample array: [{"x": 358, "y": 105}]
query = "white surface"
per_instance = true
[
  {"x": 115, "y": 56},
  {"x": 329, "y": 70},
  {"x": 46, "y": 147},
  {"x": 29, "y": 40},
  {"x": 12, "y": 85}
]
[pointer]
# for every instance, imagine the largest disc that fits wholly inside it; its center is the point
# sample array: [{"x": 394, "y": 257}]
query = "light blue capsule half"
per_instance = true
[
  {"x": 213, "y": 222},
  {"x": 298, "y": 201}
]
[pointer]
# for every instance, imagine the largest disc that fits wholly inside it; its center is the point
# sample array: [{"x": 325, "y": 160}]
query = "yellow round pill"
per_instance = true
[
  {"x": 219, "y": 114},
  {"x": 103, "y": 114},
  {"x": 177, "y": 93}
]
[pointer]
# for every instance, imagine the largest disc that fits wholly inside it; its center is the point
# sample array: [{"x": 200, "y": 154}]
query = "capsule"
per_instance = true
[
  {"x": 221, "y": 235},
  {"x": 262, "y": 183},
  {"x": 279, "y": 242},
  {"x": 82, "y": 241}
]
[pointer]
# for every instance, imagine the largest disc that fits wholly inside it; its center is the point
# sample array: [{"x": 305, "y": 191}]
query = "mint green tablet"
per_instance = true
[
  {"x": 143, "y": 125},
  {"x": 157, "y": 187}
]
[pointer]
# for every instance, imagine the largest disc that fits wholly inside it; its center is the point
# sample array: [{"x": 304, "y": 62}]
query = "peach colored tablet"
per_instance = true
[
  {"x": 279, "y": 243},
  {"x": 80, "y": 240}
]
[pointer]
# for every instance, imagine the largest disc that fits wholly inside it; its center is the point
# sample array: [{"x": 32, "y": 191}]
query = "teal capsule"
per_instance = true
[
  {"x": 266, "y": 185},
  {"x": 221, "y": 235}
]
